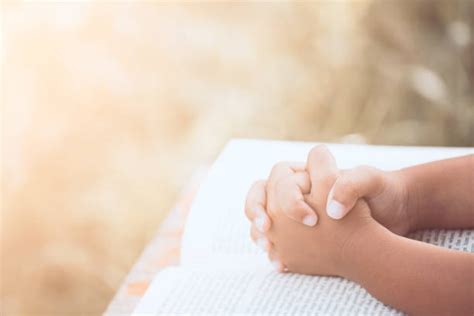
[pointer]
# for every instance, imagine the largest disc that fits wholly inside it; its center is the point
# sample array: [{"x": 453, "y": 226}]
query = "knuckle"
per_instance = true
[
  {"x": 275, "y": 173},
  {"x": 257, "y": 185},
  {"x": 285, "y": 188},
  {"x": 317, "y": 154},
  {"x": 345, "y": 188},
  {"x": 282, "y": 183},
  {"x": 318, "y": 150},
  {"x": 281, "y": 165}
]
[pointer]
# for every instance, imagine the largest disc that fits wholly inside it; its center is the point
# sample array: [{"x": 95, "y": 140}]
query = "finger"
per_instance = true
[
  {"x": 255, "y": 206},
  {"x": 285, "y": 168},
  {"x": 279, "y": 170},
  {"x": 323, "y": 172},
  {"x": 262, "y": 222},
  {"x": 276, "y": 262},
  {"x": 260, "y": 240},
  {"x": 351, "y": 186},
  {"x": 256, "y": 200},
  {"x": 289, "y": 192},
  {"x": 297, "y": 166},
  {"x": 303, "y": 181}
]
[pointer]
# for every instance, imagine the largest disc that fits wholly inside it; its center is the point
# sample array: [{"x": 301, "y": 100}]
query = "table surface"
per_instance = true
[{"x": 162, "y": 251}]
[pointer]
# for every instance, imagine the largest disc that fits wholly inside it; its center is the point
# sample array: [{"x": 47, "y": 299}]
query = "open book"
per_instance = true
[{"x": 223, "y": 272}]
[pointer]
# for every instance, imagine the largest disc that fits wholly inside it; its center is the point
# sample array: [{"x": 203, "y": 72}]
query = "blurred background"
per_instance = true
[{"x": 109, "y": 107}]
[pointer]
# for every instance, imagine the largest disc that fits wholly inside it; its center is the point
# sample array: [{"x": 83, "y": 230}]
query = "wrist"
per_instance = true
[
  {"x": 410, "y": 193},
  {"x": 359, "y": 253},
  {"x": 362, "y": 243}
]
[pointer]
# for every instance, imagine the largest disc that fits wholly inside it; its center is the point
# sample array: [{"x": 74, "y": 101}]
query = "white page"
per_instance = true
[
  {"x": 178, "y": 291},
  {"x": 217, "y": 230}
]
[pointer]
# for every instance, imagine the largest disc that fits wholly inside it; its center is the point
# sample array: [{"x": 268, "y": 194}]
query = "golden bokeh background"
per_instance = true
[{"x": 109, "y": 107}]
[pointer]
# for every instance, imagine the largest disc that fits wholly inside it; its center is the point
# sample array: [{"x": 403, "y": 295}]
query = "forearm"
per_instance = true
[
  {"x": 441, "y": 193},
  {"x": 412, "y": 276}
]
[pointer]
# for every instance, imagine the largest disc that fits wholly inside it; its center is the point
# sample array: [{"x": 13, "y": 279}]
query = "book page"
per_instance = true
[
  {"x": 217, "y": 229},
  {"x": 225, "y": 292},
  {"x": 462, "y": 239}
]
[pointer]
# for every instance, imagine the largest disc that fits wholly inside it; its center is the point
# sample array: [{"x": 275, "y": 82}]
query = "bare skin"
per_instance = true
[
  {"x": 441, "y": 193},
  {"x": 377, "y": 207}
]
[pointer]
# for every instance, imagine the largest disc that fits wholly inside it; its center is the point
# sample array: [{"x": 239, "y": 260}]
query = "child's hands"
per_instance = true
[
  {"x": 287, "y": 185},
  {"x": 301, "y": 195},
  {"x": 322, "y": 250},
  {"x": 289, "y": 191},
  {"x": 385, "y": 192}
]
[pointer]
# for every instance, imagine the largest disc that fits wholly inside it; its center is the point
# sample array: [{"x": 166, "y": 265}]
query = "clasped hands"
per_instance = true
[{"x": 311, "y": 217}]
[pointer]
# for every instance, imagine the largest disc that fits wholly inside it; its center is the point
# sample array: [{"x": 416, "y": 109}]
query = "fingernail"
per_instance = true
[
  {"x": 260, "y": 223},
  {"x": 310, "y": 220},
  {"x": 335, "y": 209},
  {"x": 277, "y": 265},
  {"x": 262, "y": 243}
]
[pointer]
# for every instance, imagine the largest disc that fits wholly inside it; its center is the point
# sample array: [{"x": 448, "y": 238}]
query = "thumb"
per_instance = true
[{"x": 350, "y": 186}]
